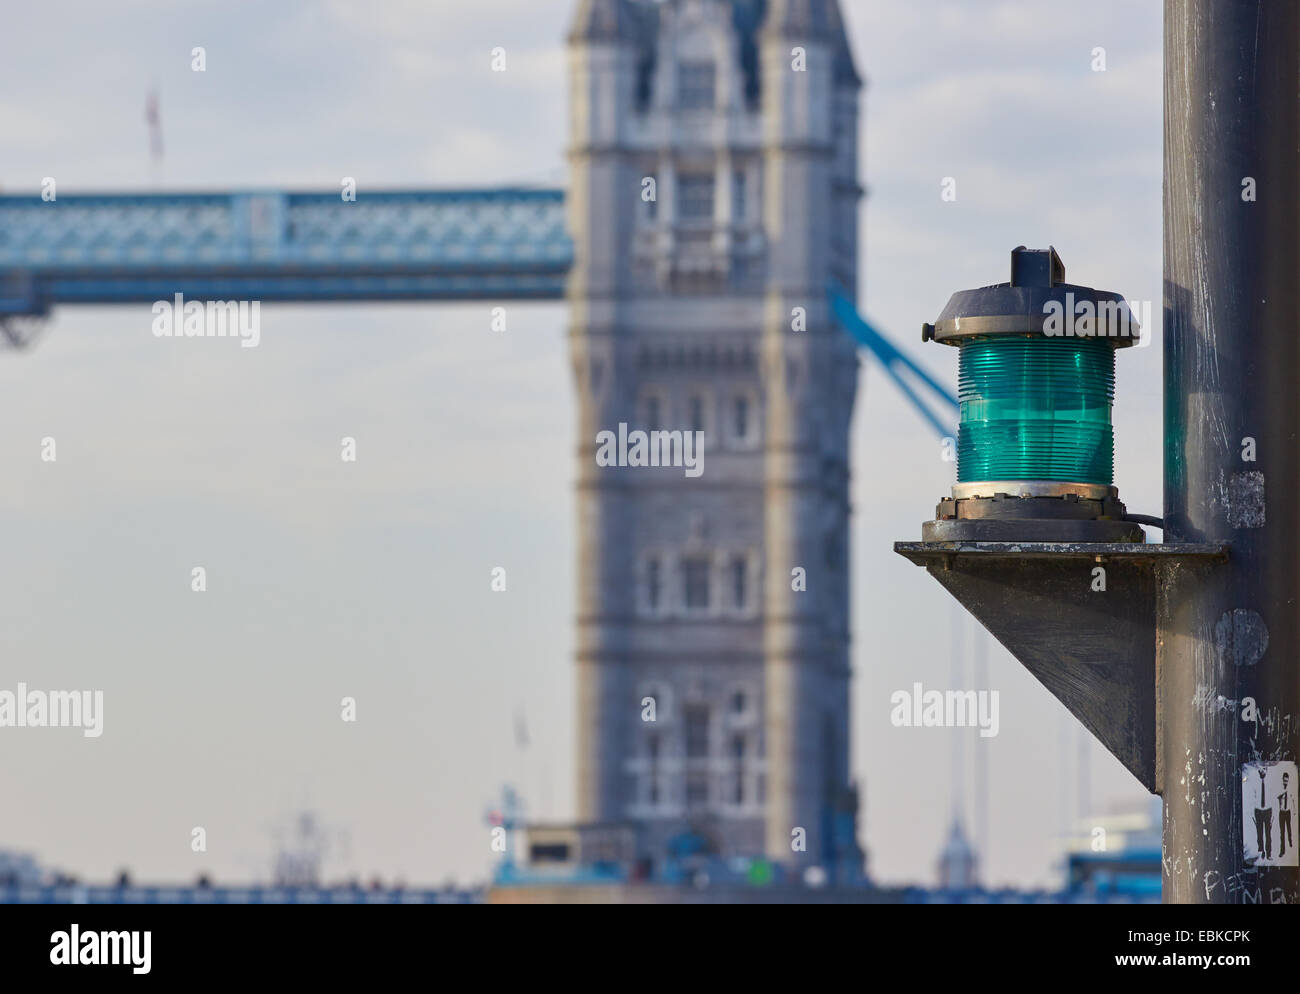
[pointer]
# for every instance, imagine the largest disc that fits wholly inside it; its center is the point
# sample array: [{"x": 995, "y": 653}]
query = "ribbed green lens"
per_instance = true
[{"x": 1035, "y": 409}]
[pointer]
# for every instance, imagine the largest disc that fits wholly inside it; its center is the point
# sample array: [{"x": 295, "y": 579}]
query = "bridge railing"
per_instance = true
[{"x": 275, "y": 245}]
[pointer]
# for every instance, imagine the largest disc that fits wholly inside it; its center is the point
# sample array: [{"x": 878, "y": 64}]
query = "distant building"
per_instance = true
[
  {"x": 957, "y": 862},
  {"x": 713, "y": 201},
  {"x": 126, "y": 893},
  {"x": 24, "y": 881},
  {"x": 18, "y": 869},
  {"x": 1108, "y": 859},
  {"x": 1116, "y": 856}
]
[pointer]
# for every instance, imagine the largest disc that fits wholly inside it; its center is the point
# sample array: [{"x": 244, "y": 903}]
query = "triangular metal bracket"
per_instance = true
[{"x": 1093, "y": 648}]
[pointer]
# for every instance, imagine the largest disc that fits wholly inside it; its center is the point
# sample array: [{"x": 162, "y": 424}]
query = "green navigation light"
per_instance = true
[
  {"x": 1035, "y": 386},
  {"x": 1035, "y": 408}
]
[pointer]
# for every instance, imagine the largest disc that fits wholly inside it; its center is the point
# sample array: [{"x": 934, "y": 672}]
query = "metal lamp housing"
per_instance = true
[{"x": 1035, "y": 386}]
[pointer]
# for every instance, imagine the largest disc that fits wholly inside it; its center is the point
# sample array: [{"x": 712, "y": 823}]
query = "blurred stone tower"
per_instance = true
[{"x": 713, "y": 200}]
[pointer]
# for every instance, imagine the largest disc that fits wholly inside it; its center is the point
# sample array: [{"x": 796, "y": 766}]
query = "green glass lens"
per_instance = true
[{"x": 1035, "y": 409}]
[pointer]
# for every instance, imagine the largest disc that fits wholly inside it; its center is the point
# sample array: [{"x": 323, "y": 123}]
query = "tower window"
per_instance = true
[
  {"x": 697, "y": 413},
  {"x": 695, "y": 582},
  {"x": 697, "y": 790},
  {"x": 696, "y": 85},
  {"x": 653, "y": 414},
  {"x": 652, "y": 745},
  {"x": 697, "y": 731},
  {"x": 740, "y": 416},
  {"x": 653, "y": 583},
  {"x": 738, "y": 702},
  {"x": 738, "y": 781},
  {"x": 695, "y": 197},
  {"x": 739, "y": 577},
  {"x": 738, "y": 196}
]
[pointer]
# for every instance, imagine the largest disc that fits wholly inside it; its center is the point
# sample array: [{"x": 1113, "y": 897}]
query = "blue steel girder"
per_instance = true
[
  {"x": 281, "y": 246},
  {"x": 895, "y": 363}
]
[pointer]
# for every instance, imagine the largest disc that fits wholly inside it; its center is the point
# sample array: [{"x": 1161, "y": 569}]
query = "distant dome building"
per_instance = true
[{"x": 957, "y": 862}]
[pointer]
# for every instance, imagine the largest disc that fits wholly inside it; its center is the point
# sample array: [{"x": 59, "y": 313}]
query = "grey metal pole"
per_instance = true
[{"x": 1228, "y": 676}]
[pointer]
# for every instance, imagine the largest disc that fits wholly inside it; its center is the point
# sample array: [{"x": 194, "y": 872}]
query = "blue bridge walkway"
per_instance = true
[{"x": 279, "y": 246}]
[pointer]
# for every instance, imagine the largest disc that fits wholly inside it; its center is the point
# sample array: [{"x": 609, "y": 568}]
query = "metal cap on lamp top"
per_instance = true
[{"x": 1035, "y": 383}]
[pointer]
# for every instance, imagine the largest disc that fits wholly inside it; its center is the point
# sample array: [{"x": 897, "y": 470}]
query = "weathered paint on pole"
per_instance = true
[{"x": 1228, "y": 677}]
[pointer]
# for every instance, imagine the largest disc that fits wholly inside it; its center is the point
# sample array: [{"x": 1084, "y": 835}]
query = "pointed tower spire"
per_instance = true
[
  {"x": 601, "y": 20},
  {"x": 957, "y": 860},
  {"x": 846, "y": 72}
]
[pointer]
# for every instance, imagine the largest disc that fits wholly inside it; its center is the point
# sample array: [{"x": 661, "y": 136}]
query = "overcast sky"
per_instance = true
[{"x": 370, "y": 580}]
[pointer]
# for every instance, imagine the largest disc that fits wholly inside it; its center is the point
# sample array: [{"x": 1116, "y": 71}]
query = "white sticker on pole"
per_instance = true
[{"x": 1268, "y": 813}]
